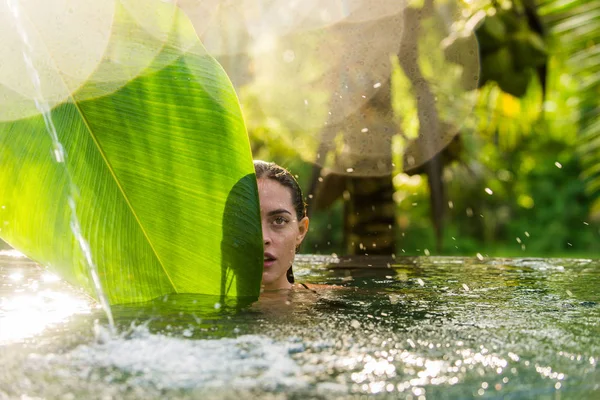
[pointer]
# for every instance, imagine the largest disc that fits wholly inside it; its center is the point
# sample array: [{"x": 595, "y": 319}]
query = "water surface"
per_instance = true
[{"x": 429, "y": 327}]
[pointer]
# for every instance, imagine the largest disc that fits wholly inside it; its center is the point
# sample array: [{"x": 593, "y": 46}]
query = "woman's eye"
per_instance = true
[{"x": 280, "y": 221}]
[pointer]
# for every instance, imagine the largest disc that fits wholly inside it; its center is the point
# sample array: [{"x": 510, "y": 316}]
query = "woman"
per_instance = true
[{"x": 284, "y": 223}]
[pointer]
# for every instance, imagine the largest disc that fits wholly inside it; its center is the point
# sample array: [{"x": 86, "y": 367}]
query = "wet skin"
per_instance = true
[{"x": 282, "y": 232}]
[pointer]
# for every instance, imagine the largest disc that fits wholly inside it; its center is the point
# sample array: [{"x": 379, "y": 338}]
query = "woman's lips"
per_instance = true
[{"x": 268, "y": 260}]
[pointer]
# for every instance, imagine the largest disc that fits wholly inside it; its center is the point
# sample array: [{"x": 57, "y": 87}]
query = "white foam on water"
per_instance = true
[
  {"x": 171, "y": 363},
  {"x": 11, "y": 253},
  {"x": 541, "y": 264}
]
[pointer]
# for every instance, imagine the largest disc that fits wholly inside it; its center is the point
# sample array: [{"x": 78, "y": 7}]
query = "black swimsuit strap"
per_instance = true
[{"x": 306, "y": 287}]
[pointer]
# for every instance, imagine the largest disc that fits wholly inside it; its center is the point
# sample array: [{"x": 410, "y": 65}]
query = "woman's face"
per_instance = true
[{"x": 282, "y": 232}]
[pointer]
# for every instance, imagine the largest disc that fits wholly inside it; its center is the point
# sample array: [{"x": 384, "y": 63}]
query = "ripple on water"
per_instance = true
[{"x": 497, "y": 327}]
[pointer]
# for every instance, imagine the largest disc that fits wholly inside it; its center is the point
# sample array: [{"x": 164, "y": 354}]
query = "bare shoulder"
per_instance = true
[{"x": 316, "y": 287}]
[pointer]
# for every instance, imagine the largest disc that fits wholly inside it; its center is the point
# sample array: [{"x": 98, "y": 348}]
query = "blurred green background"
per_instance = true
[{"x": 522, "y": 178}]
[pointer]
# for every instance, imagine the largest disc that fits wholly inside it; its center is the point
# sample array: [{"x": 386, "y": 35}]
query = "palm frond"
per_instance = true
[{"x": 575, "y": 25}]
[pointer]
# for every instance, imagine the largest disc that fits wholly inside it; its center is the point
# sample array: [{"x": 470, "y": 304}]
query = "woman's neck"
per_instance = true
[{"x": 279, "y": 284}]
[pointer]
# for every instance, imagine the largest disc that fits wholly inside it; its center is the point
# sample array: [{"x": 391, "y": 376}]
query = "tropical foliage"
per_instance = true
[
  {"x": 140, "y": 179},
  {"x": 575, "y": 25},
  {"x": 157, "y": 162},
  {"x": 523, "y": 175}
]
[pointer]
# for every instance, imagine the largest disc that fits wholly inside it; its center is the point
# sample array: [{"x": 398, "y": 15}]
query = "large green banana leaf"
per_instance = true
[{"x": 158, "y": 167}]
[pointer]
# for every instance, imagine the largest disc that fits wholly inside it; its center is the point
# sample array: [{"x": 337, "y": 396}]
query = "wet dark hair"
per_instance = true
[{"x": 270, "y": 170}]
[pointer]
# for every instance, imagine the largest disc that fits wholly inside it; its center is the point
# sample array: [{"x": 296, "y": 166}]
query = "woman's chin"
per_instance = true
[{"x": 267, "y": 279}]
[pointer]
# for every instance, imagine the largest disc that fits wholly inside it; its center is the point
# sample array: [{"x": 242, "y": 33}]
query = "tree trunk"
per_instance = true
[
  {"x": 369, "y": 216},
  {"x": 369, "y": 207}
]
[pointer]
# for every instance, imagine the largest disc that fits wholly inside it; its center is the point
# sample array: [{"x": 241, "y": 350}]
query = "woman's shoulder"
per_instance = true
[{"x": 314, "y": 286}]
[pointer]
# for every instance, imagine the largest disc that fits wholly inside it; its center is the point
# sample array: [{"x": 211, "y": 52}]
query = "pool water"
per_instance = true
[{"x": 428, "y": 327}]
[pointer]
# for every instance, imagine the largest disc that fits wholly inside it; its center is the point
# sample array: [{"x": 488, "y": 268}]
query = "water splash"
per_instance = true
[
  {"x": 60, "y": 156},
  {"x": 139, "y": 358}
]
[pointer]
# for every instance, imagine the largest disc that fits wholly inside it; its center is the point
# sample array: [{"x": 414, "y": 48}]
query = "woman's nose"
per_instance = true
[{"x": 266, "y": 237}]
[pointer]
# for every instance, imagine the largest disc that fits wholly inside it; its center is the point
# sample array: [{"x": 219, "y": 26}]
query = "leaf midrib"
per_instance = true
[
  {"x": 118, "y": 183},
  {"x": 99, "y": 147}
]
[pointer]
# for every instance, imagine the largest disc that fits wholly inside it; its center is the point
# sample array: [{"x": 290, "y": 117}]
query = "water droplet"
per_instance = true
[{"x": 59, "y": 154}]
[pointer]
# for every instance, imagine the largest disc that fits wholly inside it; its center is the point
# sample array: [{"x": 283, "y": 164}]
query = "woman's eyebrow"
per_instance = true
[{"x": 278, "y": 211}]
